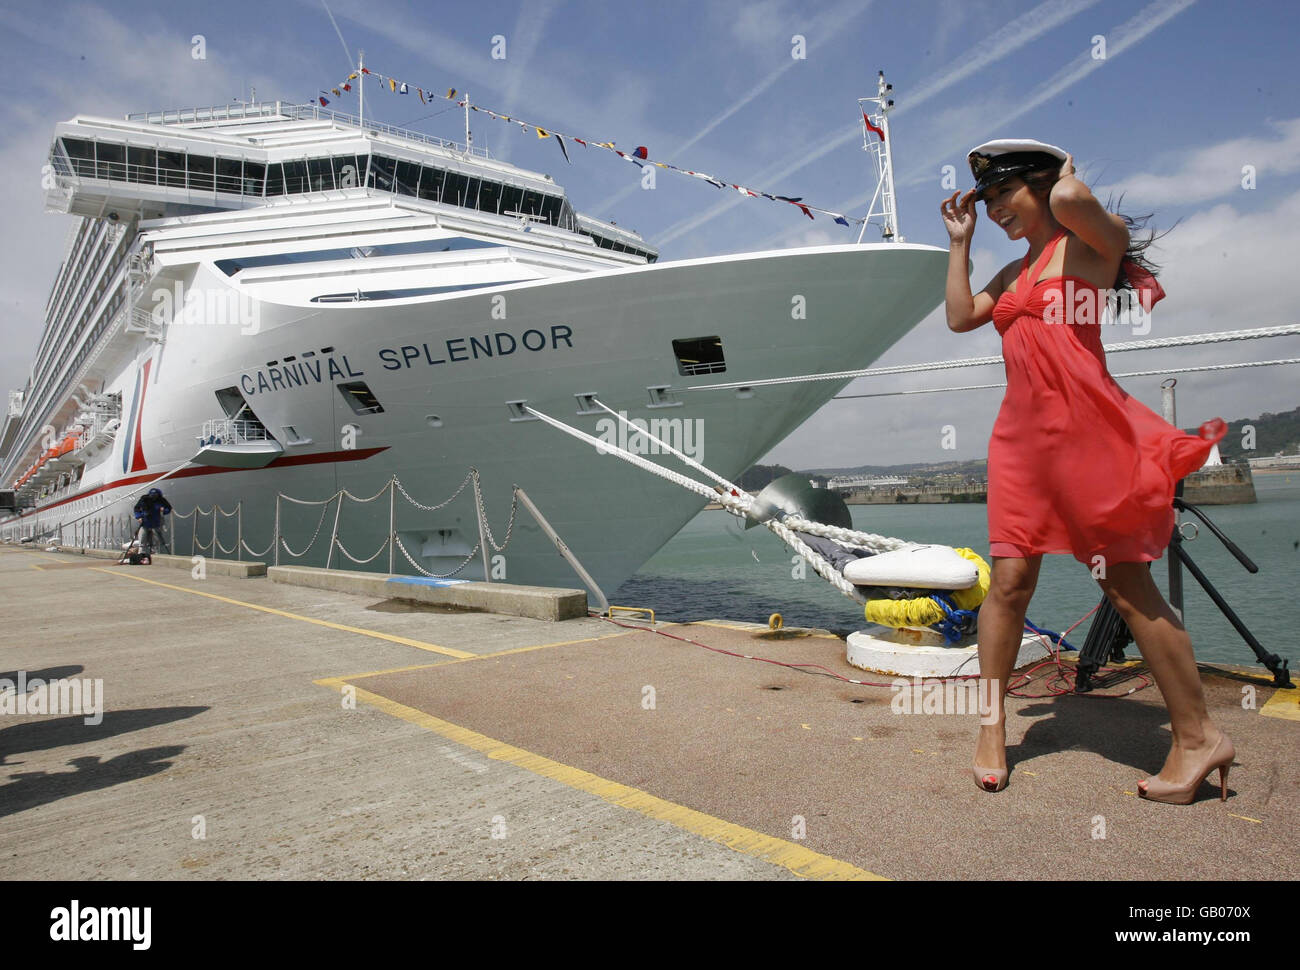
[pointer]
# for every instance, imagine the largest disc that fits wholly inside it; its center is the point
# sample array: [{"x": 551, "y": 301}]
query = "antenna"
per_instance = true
[
  {"x": 361, "y": 85},
  {"x": 876, "y": 143}
]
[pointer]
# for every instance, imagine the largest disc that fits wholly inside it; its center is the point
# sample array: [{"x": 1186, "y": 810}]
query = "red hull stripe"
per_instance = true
[
  {"x": 356, "y": 454},
  {"x": 137, "y": 458}
]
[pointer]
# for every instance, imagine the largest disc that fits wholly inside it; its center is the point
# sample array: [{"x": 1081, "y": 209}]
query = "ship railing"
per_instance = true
[
  {"x": 295, "y": 112},
  {"x": 232, "y": 431}
]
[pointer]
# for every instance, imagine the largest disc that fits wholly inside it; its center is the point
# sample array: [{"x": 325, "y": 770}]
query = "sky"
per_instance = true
[{"x": 1189, "y": 110}]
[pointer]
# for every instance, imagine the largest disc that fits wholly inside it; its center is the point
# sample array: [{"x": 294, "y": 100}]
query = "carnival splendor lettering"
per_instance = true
[{"x": 453, "y": 350}]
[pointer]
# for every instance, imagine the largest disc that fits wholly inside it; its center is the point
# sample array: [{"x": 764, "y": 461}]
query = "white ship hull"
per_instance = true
[{"x": 607, "y": 333}]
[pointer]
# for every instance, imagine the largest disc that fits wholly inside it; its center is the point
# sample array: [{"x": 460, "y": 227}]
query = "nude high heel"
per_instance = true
[
  {"x": 990, "y": 779},
  {"x": 1221, "y": 757}
]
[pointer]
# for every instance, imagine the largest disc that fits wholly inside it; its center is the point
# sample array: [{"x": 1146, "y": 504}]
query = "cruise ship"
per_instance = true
[{"x": 261, "y": 305}]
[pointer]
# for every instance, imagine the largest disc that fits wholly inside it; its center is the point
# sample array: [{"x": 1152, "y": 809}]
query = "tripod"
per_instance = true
[{"x": 1109, "y": 634}]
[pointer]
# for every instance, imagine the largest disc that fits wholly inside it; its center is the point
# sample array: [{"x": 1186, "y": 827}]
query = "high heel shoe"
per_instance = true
[
  {"x": 1221, "y": 757},
  {"x": 990, "y": 779}
]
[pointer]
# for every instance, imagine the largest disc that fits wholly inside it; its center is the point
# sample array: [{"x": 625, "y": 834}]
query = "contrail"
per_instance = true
[
  {"x": 831, "y": 22},
  {"x": 1119, "y": 40},
  {"x": 346, "y": 53},
  {"x": 1021, "y": 31},
  {"x": 529, "y": 27}
]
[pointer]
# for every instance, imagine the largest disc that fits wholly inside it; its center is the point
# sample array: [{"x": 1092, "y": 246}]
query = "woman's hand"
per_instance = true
[
  {"x": 1067, "y": 167},
  {"x": 959, "y": 216}
]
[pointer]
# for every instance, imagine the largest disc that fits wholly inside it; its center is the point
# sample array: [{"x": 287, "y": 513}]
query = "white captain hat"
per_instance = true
[{"x": 998, "y": 160}]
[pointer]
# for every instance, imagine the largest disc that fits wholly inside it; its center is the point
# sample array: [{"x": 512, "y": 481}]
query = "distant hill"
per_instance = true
[{"x": 1273, "y": 433}]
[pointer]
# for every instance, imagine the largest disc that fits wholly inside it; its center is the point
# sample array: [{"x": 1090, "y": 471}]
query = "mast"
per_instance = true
[
  {"x": 361, "y": 85},
  {"x": 468, "y": 136},
  {"x": 879, "y": 146}
]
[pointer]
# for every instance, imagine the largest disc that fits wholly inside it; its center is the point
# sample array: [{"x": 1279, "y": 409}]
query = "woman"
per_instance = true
[{"x": 1075, "y": 464}]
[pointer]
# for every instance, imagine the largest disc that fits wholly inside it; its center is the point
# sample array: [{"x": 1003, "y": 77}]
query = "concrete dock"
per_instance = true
[{"x": 258, "y": 729}]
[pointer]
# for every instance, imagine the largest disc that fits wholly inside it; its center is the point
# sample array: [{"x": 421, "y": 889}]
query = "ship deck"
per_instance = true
[{"x": 490, "y": 747}]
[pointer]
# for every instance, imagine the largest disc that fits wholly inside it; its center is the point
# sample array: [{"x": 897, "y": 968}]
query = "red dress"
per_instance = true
[{"x": 1075, "y": 464}]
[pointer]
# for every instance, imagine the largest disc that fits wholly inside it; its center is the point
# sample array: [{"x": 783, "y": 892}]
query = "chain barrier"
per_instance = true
[
  {"x": 339, "y": 542},
  {"x": 431, "y": 575}
]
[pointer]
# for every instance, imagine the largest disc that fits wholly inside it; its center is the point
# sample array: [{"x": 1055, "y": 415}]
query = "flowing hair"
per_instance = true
[{"x": 1041, "y": 183}]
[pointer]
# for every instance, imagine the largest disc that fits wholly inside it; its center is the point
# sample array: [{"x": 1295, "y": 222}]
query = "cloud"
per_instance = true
[{"x": 1215, "y": 170}]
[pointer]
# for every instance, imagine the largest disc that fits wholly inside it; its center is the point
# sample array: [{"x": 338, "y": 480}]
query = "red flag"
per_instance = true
[
  {"x": 871, "y": 127},
  {"x": 642, "y": 152}
]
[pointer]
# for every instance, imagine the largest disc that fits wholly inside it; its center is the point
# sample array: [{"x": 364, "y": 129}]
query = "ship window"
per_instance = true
[
  {"x": 381, "y": 172},
  {"x": 111, "y": 159},
  {"x": 79, "y": 149},
  {"x": 408, "y": 177},
  {"x": 200, "y": 169},
  {"x": 321, "y": 173},
  {"x": 347, "y": 173},
  {"x": 142, "y": 165},
  {"x": 512, "y": 200},
  {"x": 454, "y": 193},
  {"x": 551, "y": 209},
  {"x": 295, "y": 178},
  {"x": 431, "y": 180},
  {"x": 359, "y": 398},
  {"x": 254, "y": 173},
  {"x": 489, "y": 197},
  {"x": 699, "y": 355},
  {"x": 275, "y": 179},
  {"x": 533, "y": 203},
  {"x": 230, "y": 173},
  {"x": 171, "y": 168}
]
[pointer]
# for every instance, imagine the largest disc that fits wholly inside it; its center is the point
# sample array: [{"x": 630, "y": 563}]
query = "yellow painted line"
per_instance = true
[
  {"x": 801, "y": 861},
  {"x": 1284, "y": 704},
  {"x": 335, "y": 681},
  {"x": 405, "y": 641}
]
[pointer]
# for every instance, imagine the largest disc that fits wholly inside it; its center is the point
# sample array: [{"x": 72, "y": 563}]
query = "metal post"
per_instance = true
[
  {"x": 277, "y": 528},
  {"x": 334, "y": 532},
  {"x": 482, "y": 530},
  {"x": 563, "y": 549},
  {"x": 361, "y": 87},
  {"x": 239, "y": 530},
  {"x": 1169, "y": 406},
  {"x": 392, "y": 521}
]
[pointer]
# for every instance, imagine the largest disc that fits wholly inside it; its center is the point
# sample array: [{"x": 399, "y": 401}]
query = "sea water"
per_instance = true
[{"x": 714, "y": 568}]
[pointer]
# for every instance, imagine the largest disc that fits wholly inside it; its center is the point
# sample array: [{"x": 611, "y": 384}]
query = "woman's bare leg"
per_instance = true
[
  {"x": 1167, "y": 650},
  {"x": 1001, "y": 630}
]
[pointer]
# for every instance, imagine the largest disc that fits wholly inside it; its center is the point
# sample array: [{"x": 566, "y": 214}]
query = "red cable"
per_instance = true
[{"x": 1064, "y": 672}]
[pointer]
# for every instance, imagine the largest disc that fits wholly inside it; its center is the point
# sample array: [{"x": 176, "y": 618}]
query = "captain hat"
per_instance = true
[{"x": 998, "y": 160}]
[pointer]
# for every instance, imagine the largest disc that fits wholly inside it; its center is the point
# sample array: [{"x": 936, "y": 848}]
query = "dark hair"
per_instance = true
[{"x": 1041, "y": 183}]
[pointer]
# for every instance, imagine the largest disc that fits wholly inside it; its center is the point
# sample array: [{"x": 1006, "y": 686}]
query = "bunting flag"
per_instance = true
[
  {"x": 639, "y": 156},
  {"x": 871, "y": 127}
]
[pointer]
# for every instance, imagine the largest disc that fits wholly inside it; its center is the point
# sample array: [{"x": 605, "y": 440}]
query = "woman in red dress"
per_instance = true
[{"x": 1075, "y": 465}]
